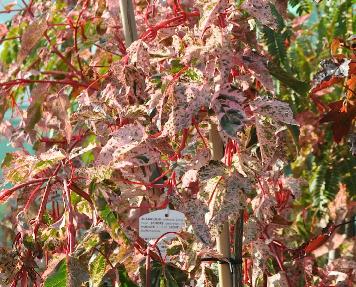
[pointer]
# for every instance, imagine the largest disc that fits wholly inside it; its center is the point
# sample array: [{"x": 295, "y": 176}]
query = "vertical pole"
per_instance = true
[
  {"x": 223, "y": 240},
  {"x": 128, "y": 21},
  {"x": 238, "y": 282}
]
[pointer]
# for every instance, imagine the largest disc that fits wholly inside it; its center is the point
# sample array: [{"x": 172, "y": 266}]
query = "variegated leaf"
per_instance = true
[
  {"x": 234, "y": 200},
  {"x": 266, "y": 138},
  {"x": 138, "y": 55},
  {"x": 59, "y": 107},
  {"x": 213, "y": 169},
  {"x": 261, "y": 10},
  {"x": 256, "y": 64},
  {"x": 260, "y": 253},
  {"x": 278, "y": 280},
  {"x": 195, "y": 211},
  {"x": 188, "y": 100},
  {"x": 211, "y": 12},
  {"x": 277, "y": 110},
  {"x": 251, "y": 230},
  {"x": 227, "y": 106},
  {"x": 122, "y": 141},
  {"x": 142, "y": 155}
]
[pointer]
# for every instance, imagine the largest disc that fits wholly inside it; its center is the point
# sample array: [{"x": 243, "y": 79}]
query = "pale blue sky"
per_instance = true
[{"x": 6, "y": 16}]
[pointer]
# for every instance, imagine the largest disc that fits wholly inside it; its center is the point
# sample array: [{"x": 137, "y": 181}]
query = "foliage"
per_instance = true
[{"x": 119, "y": 130}]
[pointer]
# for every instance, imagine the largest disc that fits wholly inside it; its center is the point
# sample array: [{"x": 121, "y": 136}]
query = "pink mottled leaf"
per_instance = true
[
  {"x": 234, "y": 200},
  {"x": 122, "y": 141},
  {"x": 113, "y": 8},
  {"x": 130, "y": 84},
  {"x": 138, "y": 55},
  {"x": 227, "y": 106},
  {"x": 213, "y": 169},
  {"x": 59, "y": 107},
  {"x": 194, "y": 211},
  {"x": 277, "y": 110},
  {"x": 188, "y": 100},
  {"x": 251, "y": 230},
  {"x": 294, "y": 185},
  {"x": 278, "y": 280},
  {"x": 3, "y": 103},
  {"x": 3, "y": 30},
  {"x": 330, "y": 72},
  {"x": 211, "y": 12},
  {"x": 142, "y": 155},
  {"x": 34, "y": 111},
  {"x": 261, "y": 10},
  {"x": 189, "y": 177},
  {"x": 338, "y": 207},
  {"x": 267, "y": 139},
  {"x": 264, "y": 208},
  {"x": 260, "y": 253},
  {"x": 256, "y": 64}
]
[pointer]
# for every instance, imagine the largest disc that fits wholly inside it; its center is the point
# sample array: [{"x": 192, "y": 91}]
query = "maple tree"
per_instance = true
[{"x": 104, "y": 132}]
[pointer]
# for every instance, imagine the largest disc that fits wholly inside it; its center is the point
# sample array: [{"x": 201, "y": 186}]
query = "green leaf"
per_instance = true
[
  {"x": 7, "y": 160},
  {"x": 231, "y": 122},
  {"x": 169, "y": 276},
  {"x": 340, "y": 19},
  {"x": 34, "y": 114},
  {"x": 58, "y": 277},
  {"x": 125, "y": 280},
  {"x": 176, "y": 66},
  {"x": 275, "y": 43},
  {"x": 97, "y": 267},
  {"x": 289, "y": 80}
]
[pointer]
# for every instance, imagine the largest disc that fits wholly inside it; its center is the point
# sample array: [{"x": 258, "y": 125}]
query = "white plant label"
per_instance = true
[{"x": 154, "y": 224}]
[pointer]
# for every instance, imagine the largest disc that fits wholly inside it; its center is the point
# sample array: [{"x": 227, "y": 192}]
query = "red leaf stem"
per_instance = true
[
  {"x": 8, "y": 192},
  {"x": 27, "y": 81},
  {"x": 33, "y": 195},
  {"x": 213, "y": 192},
  {"x": 199, "y": 133},
  {"x": 277, "y": 257},
  {"x": 162, "y": 236},
  {"x": 151, "y": 32},
  {"x": 60, "y": 55},
  {"x": 70, "y": 226},
  {"x": 43, "y": 204},
  {"x": 81, "y": 193},
  {"x": 41, "y": 211},
  {"x": 181, "y": 146},
  {"x": 75, "y": 32}
]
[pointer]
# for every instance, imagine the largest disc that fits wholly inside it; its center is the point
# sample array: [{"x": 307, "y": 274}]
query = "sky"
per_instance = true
[{"x": 6, "y": 16}]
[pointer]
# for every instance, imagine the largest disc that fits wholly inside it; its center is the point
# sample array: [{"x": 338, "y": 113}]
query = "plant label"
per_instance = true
[{"x": 154, "y": 224}]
